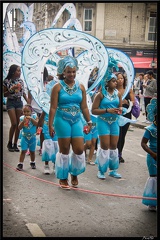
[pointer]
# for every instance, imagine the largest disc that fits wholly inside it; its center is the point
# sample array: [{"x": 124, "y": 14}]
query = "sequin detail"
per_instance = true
[
  {"x": 68, "y": 89},
  {"x": 109, "y": 120}
]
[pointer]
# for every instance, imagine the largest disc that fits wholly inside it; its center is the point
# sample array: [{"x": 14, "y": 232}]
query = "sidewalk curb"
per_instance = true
[{"x": 138, "y": 125}]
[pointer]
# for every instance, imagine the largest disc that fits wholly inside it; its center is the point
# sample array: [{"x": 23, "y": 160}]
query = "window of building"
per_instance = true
[
  {"x": 88, "y": 16},
  {"x": 152, "y": 27}
]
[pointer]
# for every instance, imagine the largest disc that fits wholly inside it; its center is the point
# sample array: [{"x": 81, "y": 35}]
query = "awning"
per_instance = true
[{"x": 143, "y": 62}]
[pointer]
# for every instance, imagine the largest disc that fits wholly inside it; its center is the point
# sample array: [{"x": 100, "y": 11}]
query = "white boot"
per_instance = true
[
  {"x": 62, "y": 166},
  {"x": 103, "y": 160},
  {"x": 77, "y": 164},
  {"x": 150, "y": 190},
  {"x": 114, "y": 163}
]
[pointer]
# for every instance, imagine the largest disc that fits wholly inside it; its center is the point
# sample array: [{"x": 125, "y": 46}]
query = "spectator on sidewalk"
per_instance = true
[
  {"x": 150, "y": 90},
  {"x": 13, "y": 90},
  {"x": 145, "y": 80},
  {"x": 141, "y": 77},
  {"x": 136, "y": 87},
  {"x": 121, "y": 86}
]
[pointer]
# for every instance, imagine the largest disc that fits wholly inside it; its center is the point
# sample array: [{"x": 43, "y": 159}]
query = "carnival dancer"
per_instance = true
[
  {"x": 90, "y": 141},
  {"x": 107, "y": 104},
  {"x": 13, "y": 90},
  {"x": 50, "y": 145},
  {"x": 28, "y": 124},
  {"x": 68, "y": 100},
  {"x": 149, "y": 144}
]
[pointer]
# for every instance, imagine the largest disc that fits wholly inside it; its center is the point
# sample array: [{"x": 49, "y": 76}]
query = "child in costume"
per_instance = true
[
  {"x": 28, "y": 124},
  {"x": 149, "y": 144},
  {"x": 49, "y": 145},
  {"x": 90, "y": 140}
]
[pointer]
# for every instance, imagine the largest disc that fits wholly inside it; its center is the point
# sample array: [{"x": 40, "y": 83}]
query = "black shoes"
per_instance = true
[
  {"x": 33, "y": 165},
  {"x": 19, "y": 167},
  {"x": 10, "y": 147},
  {"x": 121, "y": 160},
  {"x": 16, "y": 149}
]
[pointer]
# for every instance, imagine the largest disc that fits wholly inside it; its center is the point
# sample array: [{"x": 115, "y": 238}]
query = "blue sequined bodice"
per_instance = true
[
  {"x": 69, "y": 97},
  {"x": 109, "y": 101}
]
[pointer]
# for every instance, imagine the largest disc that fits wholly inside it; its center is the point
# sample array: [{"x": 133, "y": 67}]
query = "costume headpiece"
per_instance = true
[
  {"x": 152, "y": 109},
  {"x": 109, "y": 73},
  {"x": 67, "y": 61}
]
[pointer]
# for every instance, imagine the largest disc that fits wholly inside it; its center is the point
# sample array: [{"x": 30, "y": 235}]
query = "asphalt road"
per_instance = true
[{"x": 35, "y": 206}]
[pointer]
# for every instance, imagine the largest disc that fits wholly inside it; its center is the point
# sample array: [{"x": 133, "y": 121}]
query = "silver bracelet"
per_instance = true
[{"x": 89, "y": 121}]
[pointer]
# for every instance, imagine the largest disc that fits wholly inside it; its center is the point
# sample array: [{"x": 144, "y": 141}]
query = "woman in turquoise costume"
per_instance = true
[
  {"x": 149, "y": 144},
  {"x": 68, "y": 100}
]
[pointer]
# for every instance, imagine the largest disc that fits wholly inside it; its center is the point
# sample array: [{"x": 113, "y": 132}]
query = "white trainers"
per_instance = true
[
  {"x": 95, "y": 152},
  {"x": 46, "y": 169},
  {"x": 148, "y": 122},
  {"x": 90, "y": 162},
  {"x": 152, "y": 208}
]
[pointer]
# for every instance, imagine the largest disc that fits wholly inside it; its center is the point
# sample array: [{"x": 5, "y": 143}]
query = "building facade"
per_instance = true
[{"x": 129, "y": 27}]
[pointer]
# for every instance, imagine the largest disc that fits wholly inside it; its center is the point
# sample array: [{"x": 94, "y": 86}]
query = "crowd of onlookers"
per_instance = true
[{"x": 145, "y": 88}]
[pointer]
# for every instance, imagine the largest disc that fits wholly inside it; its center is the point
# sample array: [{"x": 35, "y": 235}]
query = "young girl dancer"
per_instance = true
[
  {"x": 50, "y": 144},
  {"x": 149, "y": 144},
  {"x": 28, "y": 124}
]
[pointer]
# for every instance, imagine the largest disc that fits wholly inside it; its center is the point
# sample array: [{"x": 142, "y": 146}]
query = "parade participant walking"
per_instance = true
[
  {"x": 129, "y": 99},
  {"x": 149, "y": 144},
  {"x": 28, "y": 124},
  {"x": 49, "y": 145},
  {"x": 107, "y": 105},
  {"x": 38, "y": 110},
  {"x": 13, "y": 89},
  {"x": 68, "y": 100},
  {"x": 90, "y": 141}
]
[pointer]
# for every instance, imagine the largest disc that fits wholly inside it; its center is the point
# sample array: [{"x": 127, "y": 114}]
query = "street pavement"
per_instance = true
[
  {"x": 35, "y": 206},
  {"x": 140, "y": 121}
]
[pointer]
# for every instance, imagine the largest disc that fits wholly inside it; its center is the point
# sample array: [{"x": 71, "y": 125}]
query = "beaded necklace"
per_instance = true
[{"x": 68, "y": 89}]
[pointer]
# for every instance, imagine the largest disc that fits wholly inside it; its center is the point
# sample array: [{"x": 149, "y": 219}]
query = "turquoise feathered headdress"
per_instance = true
[
  {"x": 109, "y": 73},
  {"x": 152, "y": 109}
]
